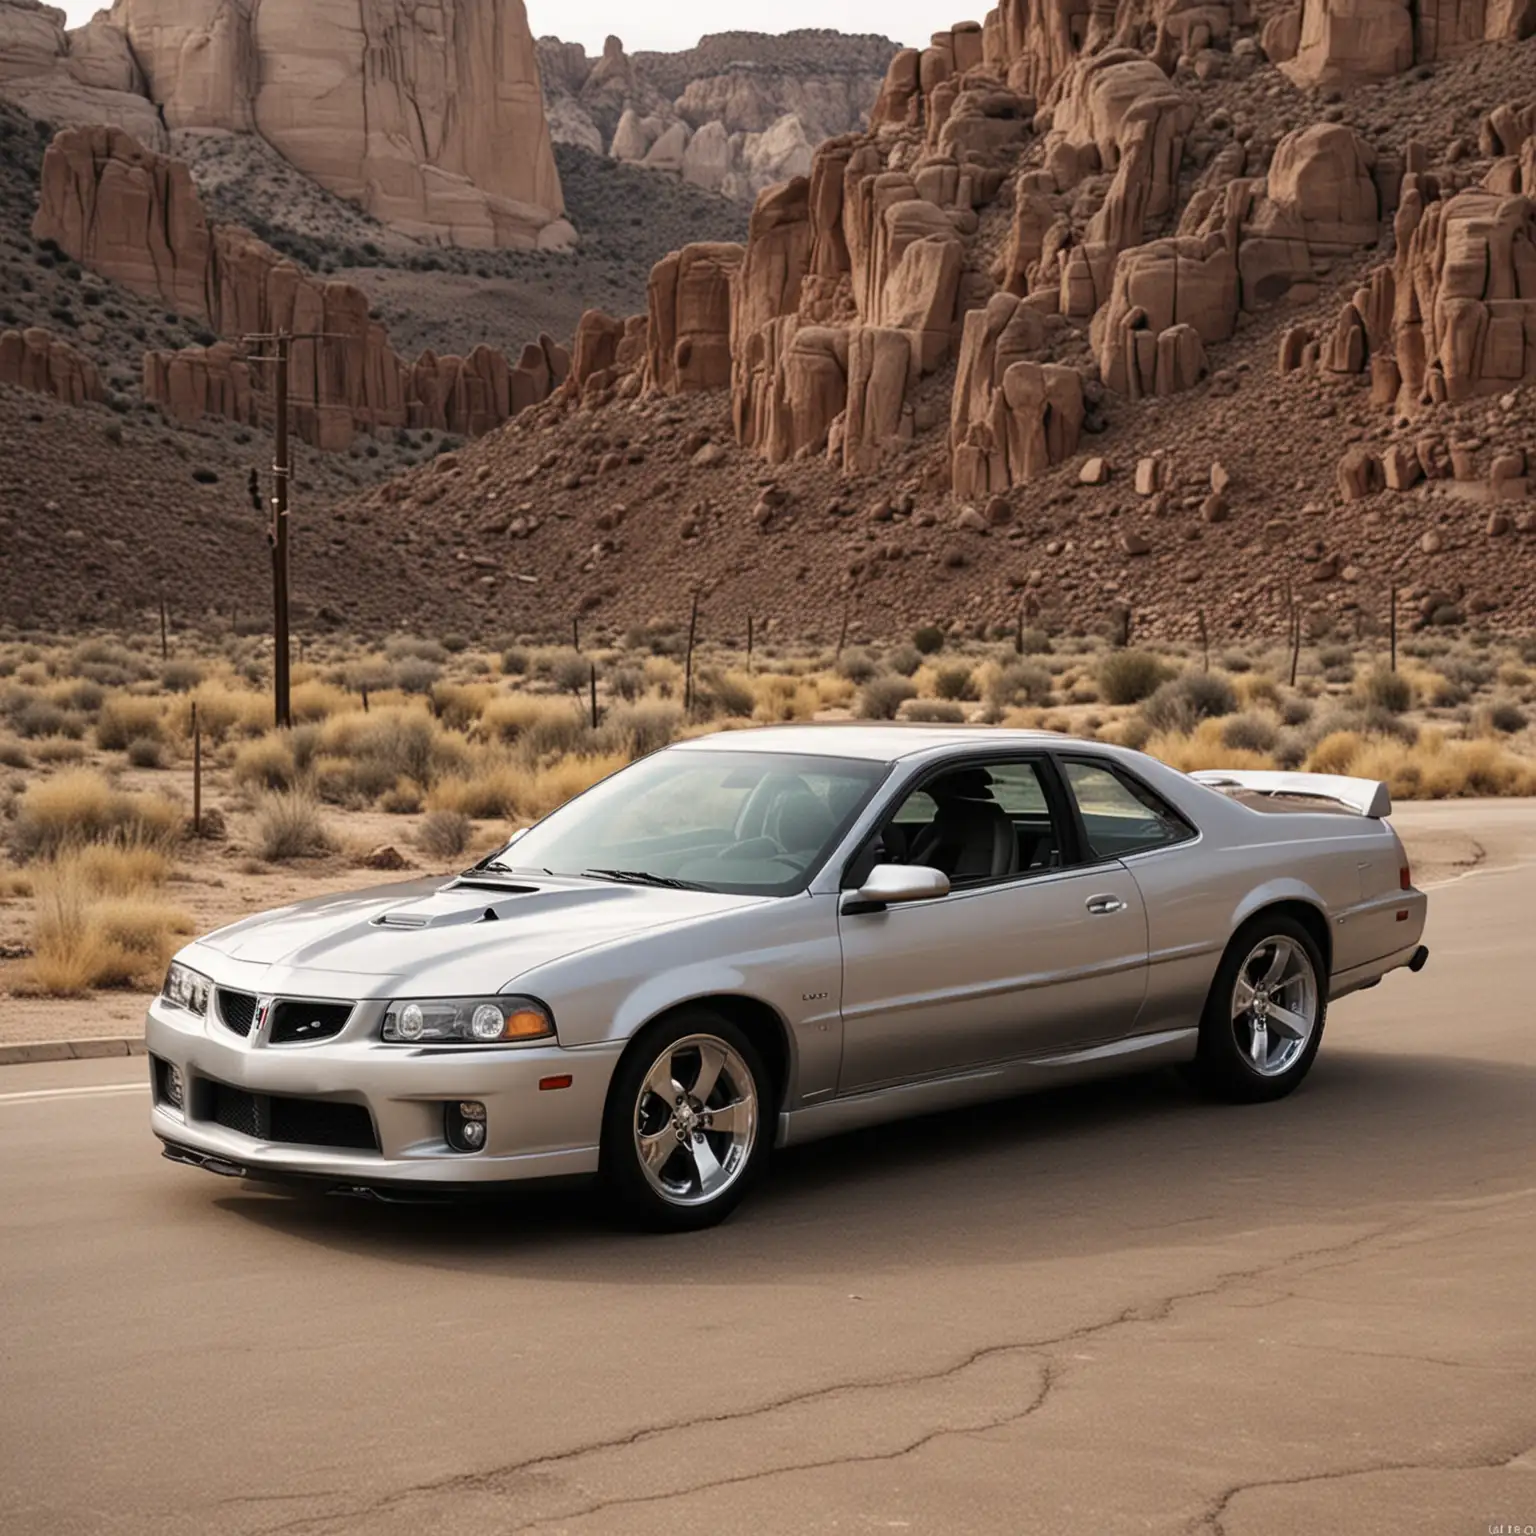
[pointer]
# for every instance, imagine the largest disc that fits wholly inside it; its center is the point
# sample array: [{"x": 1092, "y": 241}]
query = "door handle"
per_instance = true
[{"x": 1100, "y": 905}]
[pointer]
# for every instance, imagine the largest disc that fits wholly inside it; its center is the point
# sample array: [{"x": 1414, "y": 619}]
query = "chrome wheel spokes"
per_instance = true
[
  {"x": 695, "y": 1120},
  {"x": 1274, "y": 1005}
]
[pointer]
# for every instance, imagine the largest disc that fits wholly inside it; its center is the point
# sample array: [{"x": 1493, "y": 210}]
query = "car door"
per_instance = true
[{"x": 1046, "y": 958}]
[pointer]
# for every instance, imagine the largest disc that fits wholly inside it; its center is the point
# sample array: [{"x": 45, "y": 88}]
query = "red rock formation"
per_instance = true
[
  {"x": 689, "y": 302},
  {"x": 38, "y": 360}
]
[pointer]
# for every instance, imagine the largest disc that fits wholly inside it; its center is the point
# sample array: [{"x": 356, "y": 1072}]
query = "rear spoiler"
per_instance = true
[{"x": 1369, "y": 797}]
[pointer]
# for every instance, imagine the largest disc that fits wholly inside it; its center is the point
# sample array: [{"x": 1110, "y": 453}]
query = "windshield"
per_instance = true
[{"x": 740, "y": 822}]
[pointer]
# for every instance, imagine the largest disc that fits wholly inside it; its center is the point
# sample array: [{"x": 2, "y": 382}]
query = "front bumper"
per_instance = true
[{"x": 532, "y": 1132}]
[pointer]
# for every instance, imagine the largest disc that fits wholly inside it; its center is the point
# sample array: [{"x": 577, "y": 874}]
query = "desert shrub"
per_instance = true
[
  {"x": 928, "y": 639},
  {"x": 80, "y": 806},
  {"x": 1472, "y": 672},
  {"x": 781, "y": 698},
  {"x": 146, "y": 752},
  {"x": 80, "y": 694},
  {"x": 416, "y": 674},
  {"x": 934, "y": 712},
  {"x": 222, "y": 711},
  {"x": 313, "y": 700},
  {"x": 514, "y": 661},
  {"x": 13, "y": 754},
  {"x": 180, "y": 675},
  {"x": 512, "y": 790},
  {"x": 956, "y": 681},
  {"x": 53, "y": 750},
  {"x": 1258, "y": 688},
  {"x": 104, "y": 662},
  {"x": 459, "y": 705},
  {"x": 414, "y": 648},
  {"x": 882, "y": 698},
  {"x": 1235, "y": 661},
  {"x": 1503, "y": 717},
  {"x": 266, "y": 763},
  {"x": 560, "y": 733},
  {"x": 33, "y": 717},
  {"x": 1181, "y": 703},
  {"x": 1250, "y": 733},
  {"x": 1386, "y": 690},
  {"x": 509, "y": 716},
  {"x": 1203, "y": 747},
  {"x": 1018, "y": 683},
  {"x": 633, "y": 730},
  {"x": 402, "y": 799},
  {"x": 569, "y": 671},
  {"x": 1128, "y": 677},
  {"x": 444, "y": 834},
  {"x": 904, "y": 660},
  {"x": 126, "y": 717},
  {"x": 1334, "y": 657},
  {"x": 1360, "y": 720},
  {"x": 1295, "y": 711},
  {"x": 857, "y": 665},
  {"x": 725, "y": 693},
  {"x": 1032, "y": 642},
  {"x": 628, "y": 683},
  {"x": 289, "y": 825}
]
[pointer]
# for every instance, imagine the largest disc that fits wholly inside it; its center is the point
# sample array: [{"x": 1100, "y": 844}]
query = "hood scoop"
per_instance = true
[{"x": 451, "y": 908}]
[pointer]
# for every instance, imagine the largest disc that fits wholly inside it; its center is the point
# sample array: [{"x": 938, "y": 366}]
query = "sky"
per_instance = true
[{"x": 680, "y": 24}]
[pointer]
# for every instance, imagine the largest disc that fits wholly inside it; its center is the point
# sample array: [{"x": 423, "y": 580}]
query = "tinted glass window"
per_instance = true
[{"x": 1120, "y": 817}]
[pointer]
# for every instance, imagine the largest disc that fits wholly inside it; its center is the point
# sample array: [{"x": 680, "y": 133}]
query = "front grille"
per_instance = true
[
  {"x": 237, "y": 1009},
  {"x": 296, "y": 1021},
  {"x": 302, "y": 1122}
]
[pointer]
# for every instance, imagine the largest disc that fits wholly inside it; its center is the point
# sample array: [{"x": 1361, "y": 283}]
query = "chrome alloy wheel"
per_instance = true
[
  {"x": 1274, "y": 1005},
  {"x": 695, "y": 1120}
]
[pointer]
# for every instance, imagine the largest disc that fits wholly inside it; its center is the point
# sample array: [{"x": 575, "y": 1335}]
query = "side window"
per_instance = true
[
  {"x": 976, "y": 823},
  {"x": 1120, "y": 817}
]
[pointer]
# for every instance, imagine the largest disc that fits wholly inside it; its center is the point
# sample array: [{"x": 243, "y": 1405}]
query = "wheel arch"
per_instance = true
[
  {"x": 759, "y": 1021},
  {"x": 1304, "y": 909}
]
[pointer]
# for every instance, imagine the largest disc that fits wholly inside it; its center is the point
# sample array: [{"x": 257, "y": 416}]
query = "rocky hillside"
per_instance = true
[
  {"x": 1174, "y": 318},
  {"x": 737, "y": 113}
]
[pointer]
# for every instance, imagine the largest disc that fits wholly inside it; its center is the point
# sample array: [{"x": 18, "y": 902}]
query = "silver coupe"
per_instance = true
[{"x": 762, "y": 937}]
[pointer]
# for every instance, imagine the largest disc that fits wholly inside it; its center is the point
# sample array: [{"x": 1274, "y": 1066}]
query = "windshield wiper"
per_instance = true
[{"x": 643, "y": 877}]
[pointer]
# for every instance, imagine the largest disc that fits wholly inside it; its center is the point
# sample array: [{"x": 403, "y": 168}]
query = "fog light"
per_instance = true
[
  {"x": 173, "y": 1089},
  {"x": 464, "y": 1125}
]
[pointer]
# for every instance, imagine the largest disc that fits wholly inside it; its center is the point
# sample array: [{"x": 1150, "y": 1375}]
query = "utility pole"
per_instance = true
[{"x": 277, "y": 529}]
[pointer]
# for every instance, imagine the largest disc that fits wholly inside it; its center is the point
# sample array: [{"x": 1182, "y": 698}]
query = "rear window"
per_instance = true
[{"x": 1120, "y": 815}]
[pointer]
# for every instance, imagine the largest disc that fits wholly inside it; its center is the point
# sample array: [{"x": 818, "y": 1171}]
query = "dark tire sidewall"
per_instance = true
[
  {"x": 1220, "y": 1066},
  {"x": 635, "y": 1201}
]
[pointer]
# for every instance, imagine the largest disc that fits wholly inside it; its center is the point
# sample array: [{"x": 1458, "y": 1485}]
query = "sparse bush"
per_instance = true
[
  {"x": 1203, "y": 747},
  {"x": 79, "y": 807},
  {"x": 1295, "y": 711},
  {"x": 313, "y": 700},
  {"x": 1018, "y": 683},
  {"x": 53, "y": 750},
  {"x": 416, "y": 674},
  {"x": 289, "y": 825},
  {"x": 1235, "y": 661},
  {"x": 628, "y": 683},
  {"x": 146, "y": 752},
  {"x": 13, "y": 754},
  {"x": 33, "y": 717},
  {"x": 857, "y": 665},
  {"x": 414, "y": 648},
  {"x": 266, "y": 763},
  {"x": 956, "y": 681},
  {"x": 180, "y": 675},
  {"x": 633, "y": 730},
  {"x": 781, "y": 698},
  {"x": 444, "y": 834},
  {"x": 1128, "y": 677},
  {"x": 934, "y": 712},
  {"x": 1181, "y": 703},
  {"x": 1250, "y": 733},
  {"x": 882, "y": 698},
  {"x": 126, "y": 717},
  {"x": 514, "y": 661},
  {"x": 725, "y": 693},
  {"x": 1386, "y": 690},
  {"x": 1503, "y": 717},
  {"x": 928, "y": 639},
  {"x": 460, "y": 705},
  {"x": 569, "y": 671},
  {"x": 508, "y": 716},
  {"x": 1032, "y": 642},
  {"x": 904, "y": 660}
]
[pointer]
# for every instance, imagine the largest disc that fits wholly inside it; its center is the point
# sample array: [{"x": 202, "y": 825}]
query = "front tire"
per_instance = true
[
  {"x": 1263, "y": 1021},
  {"x": 688, "y": 1123}
]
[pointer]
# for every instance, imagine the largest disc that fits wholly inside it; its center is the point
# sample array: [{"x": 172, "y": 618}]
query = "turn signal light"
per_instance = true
[{"x": 525, "y": 1024}]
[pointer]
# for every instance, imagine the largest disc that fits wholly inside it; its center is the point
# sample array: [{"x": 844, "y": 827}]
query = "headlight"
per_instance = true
[
  {"x": 187, "y": 989},
  {"x": 467, "y": 1021}
]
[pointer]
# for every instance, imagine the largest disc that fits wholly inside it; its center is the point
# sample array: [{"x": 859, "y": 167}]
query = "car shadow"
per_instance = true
[{"x": 1098, "y": 1168}]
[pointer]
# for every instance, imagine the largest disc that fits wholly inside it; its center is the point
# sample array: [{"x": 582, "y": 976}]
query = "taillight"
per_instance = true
[{"x": 1405, "y": 878}]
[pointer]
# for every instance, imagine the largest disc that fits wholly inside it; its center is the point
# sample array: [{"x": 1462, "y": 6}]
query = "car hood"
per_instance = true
[{"x": 469, "y": 935}]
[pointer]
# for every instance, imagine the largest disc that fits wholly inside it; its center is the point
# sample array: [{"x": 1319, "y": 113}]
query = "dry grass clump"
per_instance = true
[
  {"x": 934, "y": 712},
  {"x": 1180, "y": 704},
  {"x": 289, "y": 825},
  {"x": 127, "y": 717},
  {"x": 1434, "y": 767},
  {"x": 1203, "y": 747},
  {"x": 509, "y": 716},
  {"x": 224, "y": 709},
  {"x": 79, "y": 807},
  {"x": 96, "y": 923},
  {"x": 882, "y": 698},
  {"x": 13, "y": 754},
  {"x": 954, "y": 681},
  {"x": 1014, "y": 684},
  {"x": 266, "y": 763},
  {"x": 510, "y": 790},
  {"x": 444, "y": 834},
  {"x": 781, "y": 698},
  {"x": 1386, "y": 690}
]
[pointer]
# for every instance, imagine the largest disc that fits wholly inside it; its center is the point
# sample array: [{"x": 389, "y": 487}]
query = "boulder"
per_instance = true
[
  {"x": 1342, "y": 42},
  {"x": 880, "y": 367},
  {"x": 1321, "y": 176},
  {"x": 1359, "y": 474}
]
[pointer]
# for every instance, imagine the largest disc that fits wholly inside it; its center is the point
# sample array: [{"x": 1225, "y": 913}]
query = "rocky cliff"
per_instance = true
[
  {"x": 428, "y": 116},
  {"x": 735, "y": 114}
]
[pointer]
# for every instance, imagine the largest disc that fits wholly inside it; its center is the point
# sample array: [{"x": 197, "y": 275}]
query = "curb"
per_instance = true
[{"x": 69, "y": 1050}]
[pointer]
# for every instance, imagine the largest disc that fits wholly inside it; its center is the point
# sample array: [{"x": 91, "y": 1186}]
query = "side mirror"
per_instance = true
[{"x": 888, "y": 884}]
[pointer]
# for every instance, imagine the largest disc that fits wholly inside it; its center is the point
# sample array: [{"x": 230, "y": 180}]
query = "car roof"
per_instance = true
[{"x": 872, "y": 740}]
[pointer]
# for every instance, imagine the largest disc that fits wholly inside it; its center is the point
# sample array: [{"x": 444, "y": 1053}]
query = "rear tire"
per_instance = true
[
  {"x": 688, "y": 1123},
  {"x": 1263, "y": 1021}
]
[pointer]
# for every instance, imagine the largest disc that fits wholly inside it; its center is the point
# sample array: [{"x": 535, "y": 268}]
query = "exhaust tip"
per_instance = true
[{"x": 1420, "y": 959}]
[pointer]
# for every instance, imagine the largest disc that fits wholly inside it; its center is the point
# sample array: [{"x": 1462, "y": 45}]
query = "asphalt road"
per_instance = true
[{"x": 1110, "y": 1309}]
